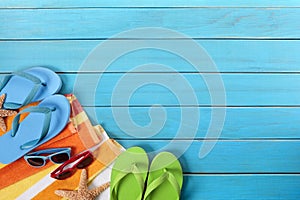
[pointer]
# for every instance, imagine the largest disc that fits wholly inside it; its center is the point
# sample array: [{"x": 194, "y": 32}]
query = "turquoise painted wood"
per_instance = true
[
  {"x": 252, "y": 186},
  {"x": 241, "y": 89},
  {"x": 255, "y": 45},
  {"x": 145, "y": 3},
  {"x": 104, "y": 23},
  {"x": 227, "y": 156},
  {"x": 230, "y": 56},
  {"x": 240, "y": 123}
]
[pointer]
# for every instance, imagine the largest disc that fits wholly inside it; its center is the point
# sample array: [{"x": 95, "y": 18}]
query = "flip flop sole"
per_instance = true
[
  {"x": 18, "y": 88},
  {"x": 31, "y": 127},
  {"x": 128, "y": 187},
  {"x": 164, "y": 161}
]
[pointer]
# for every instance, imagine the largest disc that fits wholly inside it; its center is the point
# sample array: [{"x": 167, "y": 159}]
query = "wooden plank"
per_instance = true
[
  {"x": 228, "y": 55},
  {"x": 105, "y": 22},
  {"x": 227, "y": 156},
  {"x": 246, "y": 187},
  {"x": 240, "y": 123},
  {"x": 145, "y": 3},
  {"x": 128, "y": 89}
]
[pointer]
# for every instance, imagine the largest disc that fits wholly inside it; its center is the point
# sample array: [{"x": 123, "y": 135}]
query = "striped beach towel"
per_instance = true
[{"x": 20, "y": 181}]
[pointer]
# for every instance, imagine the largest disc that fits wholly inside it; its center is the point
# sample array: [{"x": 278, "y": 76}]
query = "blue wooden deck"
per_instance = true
[{"x": 255, "y": 46}]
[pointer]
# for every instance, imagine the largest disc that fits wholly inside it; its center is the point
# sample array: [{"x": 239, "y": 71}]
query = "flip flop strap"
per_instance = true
[
  {"x": 166, "y": 176},
  {"x": 137, "y": 174},
  {"x": 46, "y": 125},
  {"x": 37, "y": 84}
]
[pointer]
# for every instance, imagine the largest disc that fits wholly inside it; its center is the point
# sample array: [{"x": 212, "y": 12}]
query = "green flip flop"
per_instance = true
[
  {"x": 165, "y": 178},
  {"x": 129, "y": 175}
]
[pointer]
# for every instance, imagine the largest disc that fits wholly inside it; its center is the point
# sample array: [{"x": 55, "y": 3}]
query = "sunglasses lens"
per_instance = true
[
  {"x": 60, "y": 158},
  {"x": 64, "y": 175},
  {"x": 37, "y": 162},
  {"x": 84, "y": 163}
]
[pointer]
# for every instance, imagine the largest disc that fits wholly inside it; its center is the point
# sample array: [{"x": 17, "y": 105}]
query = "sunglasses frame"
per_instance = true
[
  {"x": 60, "y": 170},
  {"x": 51, "y": 151}
]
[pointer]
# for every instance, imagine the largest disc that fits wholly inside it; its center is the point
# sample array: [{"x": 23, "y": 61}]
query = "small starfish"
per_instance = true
[
  {"x": 4, "y": 113},
  {"x": 83, "y": 193}
]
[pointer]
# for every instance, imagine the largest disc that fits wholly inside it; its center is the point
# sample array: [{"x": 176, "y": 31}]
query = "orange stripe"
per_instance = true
[
  {"x": 17, "y": 189},
  {"x": 19, "y": 169}
]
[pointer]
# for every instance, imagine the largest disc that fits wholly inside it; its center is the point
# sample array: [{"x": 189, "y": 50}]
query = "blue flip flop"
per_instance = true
[
  {"x": 30, "y": 85},
  {"x": 44, "y": 122}
]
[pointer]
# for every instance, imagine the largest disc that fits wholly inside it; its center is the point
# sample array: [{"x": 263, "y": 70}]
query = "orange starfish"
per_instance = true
[
  {"x": 4, "y": 113},
  {"x": 83, "y": 193}
]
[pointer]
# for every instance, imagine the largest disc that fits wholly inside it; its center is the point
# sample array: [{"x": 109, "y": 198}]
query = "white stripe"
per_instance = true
[
  {"x": 36, "y": 188},
  {"x": 102, "y": 178}
]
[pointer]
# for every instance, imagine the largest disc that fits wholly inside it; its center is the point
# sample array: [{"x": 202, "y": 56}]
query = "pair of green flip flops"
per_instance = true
[{"x": 133, "y": 179}]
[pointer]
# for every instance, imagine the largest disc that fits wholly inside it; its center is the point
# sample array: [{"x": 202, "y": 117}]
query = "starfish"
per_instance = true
[
  {"x": 4, "y": 113},
  {"x": 83, "y": 193}
]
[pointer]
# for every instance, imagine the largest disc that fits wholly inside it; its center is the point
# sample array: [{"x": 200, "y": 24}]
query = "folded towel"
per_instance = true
[{"x": 21, "y": 179}]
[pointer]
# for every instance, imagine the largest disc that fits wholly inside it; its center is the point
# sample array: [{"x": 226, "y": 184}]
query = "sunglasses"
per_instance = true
[
  {"x": 67, "y": 169},
  {"x": 55, "y": 155}
]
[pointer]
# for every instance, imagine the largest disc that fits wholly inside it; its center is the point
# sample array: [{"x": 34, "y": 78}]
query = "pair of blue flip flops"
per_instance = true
[{"x": 45, "y": 121}]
